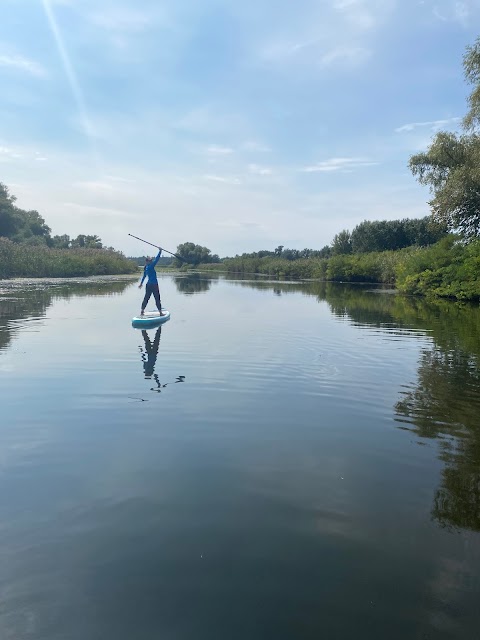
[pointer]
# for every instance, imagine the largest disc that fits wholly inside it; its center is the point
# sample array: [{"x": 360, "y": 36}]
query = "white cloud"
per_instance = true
[
  {"x": 18, "y": 153},
  {"x": 224, "y": 179},
  {"x": 22, "y": 64},
  {"x": 434, "y": 125},
  {"x": 339, "y": 164},
  {"x": 217, "y": 150},
  {"x": 75, "y": 198},
  {"x": 260, "y": 171},
  {"x": 88, "y": 211}
]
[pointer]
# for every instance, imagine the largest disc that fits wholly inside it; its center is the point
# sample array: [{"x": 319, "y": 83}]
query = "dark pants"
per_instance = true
[{"x": 152, "y": 289}]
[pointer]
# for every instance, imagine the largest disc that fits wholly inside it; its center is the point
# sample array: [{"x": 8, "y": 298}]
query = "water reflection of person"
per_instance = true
[
  {"x": 149, "y": 358},
  {"x": 151, "y": 352}
]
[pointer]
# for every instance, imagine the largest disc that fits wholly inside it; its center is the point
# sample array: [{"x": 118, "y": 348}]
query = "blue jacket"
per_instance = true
[{"x": 149, "y": 270}]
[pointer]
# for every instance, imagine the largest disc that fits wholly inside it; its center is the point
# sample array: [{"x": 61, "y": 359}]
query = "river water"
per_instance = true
[{"x": 279, "y": 461}]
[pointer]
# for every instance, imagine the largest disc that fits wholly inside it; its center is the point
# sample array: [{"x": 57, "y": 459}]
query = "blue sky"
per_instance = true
[{"x": 236, "y": 125}]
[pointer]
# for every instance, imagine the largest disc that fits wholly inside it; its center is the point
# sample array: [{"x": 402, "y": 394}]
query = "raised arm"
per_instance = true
[{"x": 157, "y": 258}]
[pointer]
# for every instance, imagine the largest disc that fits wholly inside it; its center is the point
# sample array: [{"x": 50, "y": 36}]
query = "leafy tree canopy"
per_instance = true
[
  {"x": 451, "y": 164},
  {"x": 195, "y": 254},
  {"x": 30, "y": 228}
]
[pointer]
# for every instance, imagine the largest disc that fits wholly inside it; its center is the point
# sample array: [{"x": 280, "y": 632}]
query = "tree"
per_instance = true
[
  {"x": 60, "y": 242},
  {"x": 8, "y": 217},
  {"x": 390, "y": 235},
  {"x": 451, "y": 165},
  {"x": 83, "y": 241},
  {"x": 20, "y": 225},
  {"x": 342, "y": 243},
  {"x": 194, "y": 254}
]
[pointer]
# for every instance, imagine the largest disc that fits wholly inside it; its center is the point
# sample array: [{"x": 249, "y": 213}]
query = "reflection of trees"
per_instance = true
[
  {"x": 193, "y": 283},
  {"x": 19, "y": 300},
  {"x": 444, "y": 404}
]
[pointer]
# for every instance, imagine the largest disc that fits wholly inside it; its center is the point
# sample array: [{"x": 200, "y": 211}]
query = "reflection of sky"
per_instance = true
[{"x": 277, "y": 461}]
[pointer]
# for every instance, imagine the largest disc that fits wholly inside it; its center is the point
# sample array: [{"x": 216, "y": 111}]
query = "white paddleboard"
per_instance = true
[{"x": 150, "y": 319}]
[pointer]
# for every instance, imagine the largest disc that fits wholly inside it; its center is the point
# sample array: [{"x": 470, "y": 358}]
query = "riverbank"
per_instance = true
[
  {"x": 447, "y": 269},
  {"x": 25, "y": 261}
]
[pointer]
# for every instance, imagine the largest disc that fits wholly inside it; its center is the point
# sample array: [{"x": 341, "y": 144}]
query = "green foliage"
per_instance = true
[
  {"x": 20, "y": 225},
  {"x": 471, "y": 68},
  {"x": 367, "y": 267},
  {"x": 194, "y": 254},
  {"x": 451, "y": 168},
  {"x": 28, "y": 227},
  {"x": 86, "y": 242},
  {"x": 379, "y": 267},
  {"x": 287, "y": 254},
  {"x": 449, "y": 269},
  {"x": 28, "y": 249},
  {"x": 342, "y": 243},
  {"x": 60, "y": 242},
  {"x": 390, "y": 235},
  {"x": 20, "y": 260},
  {"x": 451, "y": 164}
]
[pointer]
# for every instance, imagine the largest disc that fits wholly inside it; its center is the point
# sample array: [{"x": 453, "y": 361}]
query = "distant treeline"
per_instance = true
[
  {"x": 28, "y": 249},
  {"x": 450, "y": 268},
  {"x": 166, "y": 261},
  {"x": 366, "y": 237},
  {"x": 418, "y": 256}
]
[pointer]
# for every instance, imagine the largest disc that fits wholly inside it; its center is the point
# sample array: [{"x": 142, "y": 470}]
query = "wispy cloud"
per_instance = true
[
  {"x": 339, "y": 164},
  {"x": 455, "y": 11},
  {"x": 260, "y": 171},
  {"x": 434, "y": 125},
  {"x": 224, "y": 179},
  {"x": 7, "y": 153},
  {"x": 22, "y": 64},
  {"x": 17, "y": 153},
  {"x": 358, "y": 13},
  {"x": 218, "y": 150}
]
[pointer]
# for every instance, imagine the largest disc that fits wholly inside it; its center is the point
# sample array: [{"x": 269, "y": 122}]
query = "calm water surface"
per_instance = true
[{"x": 279, "y": 461}]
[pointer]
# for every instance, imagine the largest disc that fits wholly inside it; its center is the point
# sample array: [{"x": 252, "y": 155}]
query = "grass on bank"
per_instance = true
[{"x": 19, "y": 260}]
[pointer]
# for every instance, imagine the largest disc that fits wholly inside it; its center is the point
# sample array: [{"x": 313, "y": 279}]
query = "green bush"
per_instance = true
[{"x": 448, "y": 269}]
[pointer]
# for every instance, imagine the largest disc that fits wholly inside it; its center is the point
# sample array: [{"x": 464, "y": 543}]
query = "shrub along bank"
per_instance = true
[
  {"x": 449, "y": 268},
  {"x": 20, "y": 260}
]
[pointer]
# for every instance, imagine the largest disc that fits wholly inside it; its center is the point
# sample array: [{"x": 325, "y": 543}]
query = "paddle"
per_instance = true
[{"x": 161, "y": 248}]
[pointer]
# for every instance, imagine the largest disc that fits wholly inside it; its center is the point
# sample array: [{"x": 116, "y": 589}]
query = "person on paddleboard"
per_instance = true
[{"x": 152, "y": 283}]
